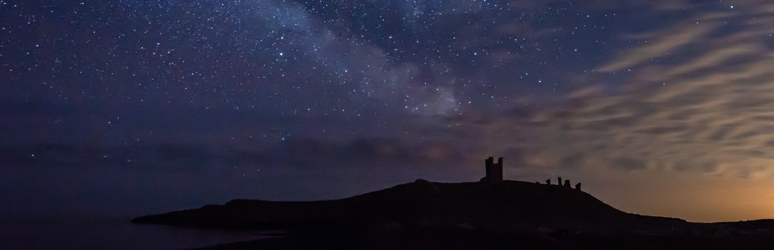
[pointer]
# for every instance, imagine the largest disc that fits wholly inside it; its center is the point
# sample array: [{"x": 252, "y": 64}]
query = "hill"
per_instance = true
[
  {"x": 479, "y": 215},
  {"x": 502, "y": 206}
]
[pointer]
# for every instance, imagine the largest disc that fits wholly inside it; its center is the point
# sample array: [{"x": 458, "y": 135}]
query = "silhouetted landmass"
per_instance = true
[{"x": 481, "y": 215}]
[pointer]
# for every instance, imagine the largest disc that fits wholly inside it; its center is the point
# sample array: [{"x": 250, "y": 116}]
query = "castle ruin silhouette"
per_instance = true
[
  {"x": 494, "y": 174},
  {"x": 494, "y": 171}
]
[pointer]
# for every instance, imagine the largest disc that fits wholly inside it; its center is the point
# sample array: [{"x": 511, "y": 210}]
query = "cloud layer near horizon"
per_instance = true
[{"x": 707, "y": 106}]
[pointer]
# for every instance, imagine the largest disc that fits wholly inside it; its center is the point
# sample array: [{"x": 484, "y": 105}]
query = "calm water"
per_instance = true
[
  {"x": 92, "y": 206},
  {"x": 108, "y": 233}
]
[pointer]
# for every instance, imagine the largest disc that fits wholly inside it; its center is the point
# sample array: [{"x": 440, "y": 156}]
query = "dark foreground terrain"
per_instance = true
[{"x": 426, "y": 215}]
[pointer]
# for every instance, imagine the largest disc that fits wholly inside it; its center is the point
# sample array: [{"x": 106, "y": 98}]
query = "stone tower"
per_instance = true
[{"x": 494, "y": 171}]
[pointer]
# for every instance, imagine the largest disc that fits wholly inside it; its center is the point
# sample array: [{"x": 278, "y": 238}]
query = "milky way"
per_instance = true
[{"x": 274, "y": 99}]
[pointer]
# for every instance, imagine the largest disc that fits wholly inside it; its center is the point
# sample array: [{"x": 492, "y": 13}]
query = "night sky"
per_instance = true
[{"x": 120, "y": 107}]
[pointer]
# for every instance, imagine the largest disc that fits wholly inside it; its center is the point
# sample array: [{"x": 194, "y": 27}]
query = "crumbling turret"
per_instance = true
[
  {"x": 494, "y": 171},
  {"x": 577, "y": 186}
]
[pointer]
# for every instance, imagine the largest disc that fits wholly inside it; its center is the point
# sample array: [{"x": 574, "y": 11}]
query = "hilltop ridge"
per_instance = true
[
  {"x": 472, "y": 215},
  {"x": 475, "y": 204}
]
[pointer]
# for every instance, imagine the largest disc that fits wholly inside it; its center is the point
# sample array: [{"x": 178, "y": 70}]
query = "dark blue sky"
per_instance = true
[{"x": 146, "y": 106}]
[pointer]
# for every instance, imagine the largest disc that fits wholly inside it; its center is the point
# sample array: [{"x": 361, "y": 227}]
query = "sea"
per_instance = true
[
  {"x": 118, "y": 233},
  {"x": 68, "y": 206}
]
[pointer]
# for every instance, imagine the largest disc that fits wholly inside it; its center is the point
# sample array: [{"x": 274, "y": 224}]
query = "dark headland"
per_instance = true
[{"x": 490, "y": 214}]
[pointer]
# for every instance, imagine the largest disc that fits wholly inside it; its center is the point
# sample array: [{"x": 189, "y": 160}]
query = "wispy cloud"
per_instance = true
[{"x": 705, "y": 108}]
